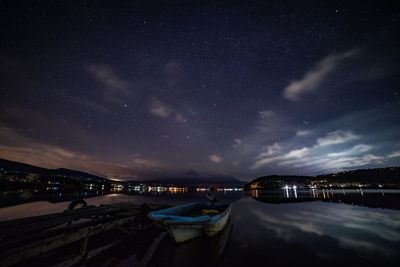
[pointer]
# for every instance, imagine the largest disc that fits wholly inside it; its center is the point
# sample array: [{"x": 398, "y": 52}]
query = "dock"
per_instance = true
[
  {"x": 107, "y": 235},
  {"x": 76, "y": 234}
]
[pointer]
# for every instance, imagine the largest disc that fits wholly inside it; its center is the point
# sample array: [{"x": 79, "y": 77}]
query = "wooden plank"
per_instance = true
[
  {"x": 92, "y": 253},
  {"x": 26, "y": 225},
  {"x": 66, "y": 213},
  {"x": 26, "y": 252},
  {"x": 153, "y": 247},
  {"x": 62, "y": 218},
  {"x": 36, "y": 236},
  {"x": 33, "y": 219}
]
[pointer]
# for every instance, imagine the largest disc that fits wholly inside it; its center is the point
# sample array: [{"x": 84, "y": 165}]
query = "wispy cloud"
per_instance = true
[
  {"x": 266, "y": 114},
  {"x": 293, "y": 154},
  {"x": 314, "y": 77},
  {"x": 337, "y": 137},
  {"x": 115, "y": 89},
  {"x": 163, "y": 110},
  {"x": 317, "y": 155},
  {"x": 394, "y": 154},
  {"x": 139, "y": 162},
  {"x": 303, "y": 133},
  {"x": 269, "y": 130},
  {"x": 15, "y": 146},
  {"x": 271, "y": 150},
  {"x": 172, "y": 71},
  {"x": 357, "y": 149},
  {"x": 36, "y": 122},
  {"x": 157, "y": 108},
  {"x": 215, "y": 158}
]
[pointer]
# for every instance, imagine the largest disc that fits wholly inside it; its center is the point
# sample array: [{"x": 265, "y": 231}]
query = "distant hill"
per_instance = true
[
  {"x": 377, "y": 175},
  {"x": 23, "y": 168},
  {"x": 389, "y": 177},
  {"x": 13, "y": 166},
  {"x": 198, "y": 180},
  {"x": 74, "y": 173},
  {"x": 275, "y": 181},
  {"x": 189, "y": 178}
]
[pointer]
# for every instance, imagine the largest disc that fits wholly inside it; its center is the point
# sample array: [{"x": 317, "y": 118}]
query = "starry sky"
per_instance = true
[{"x": 142, "y": 89}]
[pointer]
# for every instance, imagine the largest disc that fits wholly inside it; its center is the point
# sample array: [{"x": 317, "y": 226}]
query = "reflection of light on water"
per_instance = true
[
  {"x": 112, "y": 195},
  {"x": 295, "y": 191},
  {"x": 313, "y": 192},
  {"x": 255, "y": 193},
  {"x": 286, "y": 191}
]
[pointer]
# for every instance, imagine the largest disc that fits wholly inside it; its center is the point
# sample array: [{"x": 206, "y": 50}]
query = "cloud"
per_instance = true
[
  {"x": 17, "y": 147},
  {"x": 361, "y": 148},
  {"x": 270, "y": 127},
  {"x": 337, "y": 137},
  {"x": 342, "y": 143},
  {"x": 172, "y": 71},
  {"x": 215, "y": 158},
  {"x": 315, "y": 77},
  {"x": 162, "y": 110},
  {"x": 271, "y": 150},
  {"x": 349, "y": 162},
  {"x": 144, "y": 163},
  {"x": 266, "y": 114},
  {"x": 24, "y": 118},
  {"x": 115, "y": 89},
  {"x": 303, "y": 133},
  {"x": 394, "y": 154},
  {"x": 297, "y": 153},
  {"x": 237, "y": 142},
  {"x": 180, "y": 118},
  {"x": 317, "y": 155}
]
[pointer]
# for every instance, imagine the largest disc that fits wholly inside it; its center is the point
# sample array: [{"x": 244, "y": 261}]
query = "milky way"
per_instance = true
[{"x": 136, "y": 90}]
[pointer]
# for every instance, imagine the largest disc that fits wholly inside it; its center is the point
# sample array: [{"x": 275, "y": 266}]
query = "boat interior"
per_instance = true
[{"x": 196, "y": 210}]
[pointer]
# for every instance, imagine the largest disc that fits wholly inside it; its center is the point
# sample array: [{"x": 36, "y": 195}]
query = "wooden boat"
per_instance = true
[{"x": 186, "y": 222}]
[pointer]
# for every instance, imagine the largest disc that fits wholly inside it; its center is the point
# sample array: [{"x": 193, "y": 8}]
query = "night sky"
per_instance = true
[{"x": 135, "y": 90}]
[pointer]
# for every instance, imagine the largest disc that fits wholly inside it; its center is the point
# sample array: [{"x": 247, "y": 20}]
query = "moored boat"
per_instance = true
[{"x": 186, "y": 222}]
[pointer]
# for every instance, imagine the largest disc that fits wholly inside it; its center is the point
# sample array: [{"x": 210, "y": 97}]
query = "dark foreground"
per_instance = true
[{"x": 322, "y": 228}]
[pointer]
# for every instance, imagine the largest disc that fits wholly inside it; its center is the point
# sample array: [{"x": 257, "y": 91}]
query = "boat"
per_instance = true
[{"x": 189, "y": 221}]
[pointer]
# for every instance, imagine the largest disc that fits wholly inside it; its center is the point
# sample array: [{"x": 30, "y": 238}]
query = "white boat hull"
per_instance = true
[
  {"x": 218, "y": 225},
  {"x": 186, "y": 228},
  {"x": 182, "y": 233}
]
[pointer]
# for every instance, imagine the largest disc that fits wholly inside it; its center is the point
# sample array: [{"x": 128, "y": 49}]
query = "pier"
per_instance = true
[
  {"x": 74, "y": 233},
  {"x": 106, "y": 235}
]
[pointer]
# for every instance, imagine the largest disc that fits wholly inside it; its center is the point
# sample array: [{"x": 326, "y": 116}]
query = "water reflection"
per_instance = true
[
  {"x": 307, "y": 227},
  {"x": 313, "y": 233},
  {"x": 369, "y": 198}
]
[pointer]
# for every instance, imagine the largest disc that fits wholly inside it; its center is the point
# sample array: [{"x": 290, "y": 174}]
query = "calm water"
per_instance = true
[{"x": 329, "y": 228}]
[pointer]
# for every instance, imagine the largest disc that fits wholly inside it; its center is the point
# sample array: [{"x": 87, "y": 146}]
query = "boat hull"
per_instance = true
[
  {"x": 182, "y": 233},
  {"x": 219, "y": 224},
  {"x": 182, "y": 229}
]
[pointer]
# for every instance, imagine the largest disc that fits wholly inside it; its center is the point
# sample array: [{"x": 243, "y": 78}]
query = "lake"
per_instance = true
[{"x": 284, "y": 228}]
